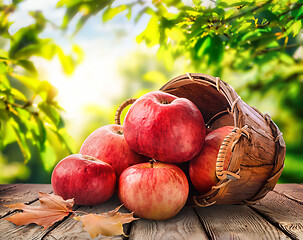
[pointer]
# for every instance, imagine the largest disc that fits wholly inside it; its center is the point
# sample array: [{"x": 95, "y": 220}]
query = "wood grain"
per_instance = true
[
  {"x": 291, "y": 191},
  {"x": 277, "y": 216},
  {"x": 223, "y": 222},
  {"x": 185, "y": 225},
  {"x": 32, "y": 231},
  {"x": 72, "y": 229},
  {"x": 20, "y": 193},
  {"x": 282, "y": 212}
]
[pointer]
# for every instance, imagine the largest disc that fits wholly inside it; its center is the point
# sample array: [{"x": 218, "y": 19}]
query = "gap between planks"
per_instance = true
[
  {"x": 185, "y": 225},
  {"x": 20, "y": 193},
  {"x": 236, "y": 222},
  {"x": 72, "y": 229},
  {"x": 283, "y": 208}
]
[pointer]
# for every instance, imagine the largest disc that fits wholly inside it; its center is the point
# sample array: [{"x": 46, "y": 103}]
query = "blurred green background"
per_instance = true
[{"x": 66, "y": 65}]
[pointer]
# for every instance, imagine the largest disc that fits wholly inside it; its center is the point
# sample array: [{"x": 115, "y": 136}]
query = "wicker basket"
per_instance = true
[{"x": 258, "y": 149}]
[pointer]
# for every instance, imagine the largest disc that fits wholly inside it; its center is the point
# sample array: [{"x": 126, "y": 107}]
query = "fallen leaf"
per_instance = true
[
  {"x": 52, "y": 208},
  {"x": 107, "y": 224}
]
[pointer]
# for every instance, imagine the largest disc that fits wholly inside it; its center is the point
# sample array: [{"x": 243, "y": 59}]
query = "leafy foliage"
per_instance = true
[
  {"x": 29, "y": 113},
  {"x": 256, "y": 45}
]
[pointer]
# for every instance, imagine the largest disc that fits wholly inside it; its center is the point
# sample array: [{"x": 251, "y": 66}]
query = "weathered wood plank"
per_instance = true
[
  {"x": 13, "y": 232},
  {"x": 282, "y": 212},
  {"x": 291, "y": 191},
  {"x": 72, "y": 229},
  {"x": 4, "y": 187},
  {"x": 15, "y": 193},
  {"x": 66, "y": 229},
  {"x": 236, "y": 222},
  {"x": 185, "y": 225}
]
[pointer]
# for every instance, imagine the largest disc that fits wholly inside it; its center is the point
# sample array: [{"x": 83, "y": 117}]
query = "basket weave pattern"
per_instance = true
[{"x": 257, "y": 145}]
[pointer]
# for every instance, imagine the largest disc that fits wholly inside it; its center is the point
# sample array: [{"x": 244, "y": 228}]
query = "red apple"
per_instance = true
[
  {"x": 207, "y": 131},
  {"x": 86, "y": 179},
  {"x": 155, "y": 191},
  {"x": 202, "y": 169},
  {"x": 164, "y": 127},
  {"x": 108, "y": 144}
]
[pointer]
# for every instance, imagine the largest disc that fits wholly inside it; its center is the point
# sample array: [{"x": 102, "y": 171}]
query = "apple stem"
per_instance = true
[
  {"x": 151, "y": 161},
  {"x": 120, "y": 132}
]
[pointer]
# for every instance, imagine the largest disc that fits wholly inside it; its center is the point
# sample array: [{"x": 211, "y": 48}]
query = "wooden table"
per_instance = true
[{"x": 278, "y": 216}]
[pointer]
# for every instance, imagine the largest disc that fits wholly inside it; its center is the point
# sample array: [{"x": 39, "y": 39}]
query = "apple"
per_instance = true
[
  {"x": 164, "y": 127},
  {"x": 108, "y": 144},
  {"x": 207, "y": 131},
  {"x": 86, "y": 179},
  {"x": 202, "y": 168},
  {"x": 155, "y": 191}
]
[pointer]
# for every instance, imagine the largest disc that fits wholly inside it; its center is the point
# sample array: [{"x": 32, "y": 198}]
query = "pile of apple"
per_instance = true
[{"x": 142, "y": 160}]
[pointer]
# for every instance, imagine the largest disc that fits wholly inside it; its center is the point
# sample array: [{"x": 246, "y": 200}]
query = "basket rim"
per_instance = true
[{"x": 235, "y": 102}]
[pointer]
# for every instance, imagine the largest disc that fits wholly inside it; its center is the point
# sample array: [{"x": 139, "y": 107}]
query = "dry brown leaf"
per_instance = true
[
  {"x": 52, "y": 208},
  {"x": 107, "y": 224}
]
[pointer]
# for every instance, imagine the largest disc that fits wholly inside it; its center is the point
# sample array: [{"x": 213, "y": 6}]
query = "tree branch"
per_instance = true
[
  {"x": 297, "y": 5},
  {"x": 244, "y": 13},
  {"x": 279, "y": 48}
]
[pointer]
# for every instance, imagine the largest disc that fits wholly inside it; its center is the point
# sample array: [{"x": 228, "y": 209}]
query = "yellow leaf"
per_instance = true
[
  {"x": 107, "y": 224},
  {"x": 52, "y": 208}
]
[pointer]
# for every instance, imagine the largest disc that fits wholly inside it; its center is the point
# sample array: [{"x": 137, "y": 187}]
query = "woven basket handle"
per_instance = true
[
  {"x": 230, "y": 140},
  {"x": 120, "y": 109}
]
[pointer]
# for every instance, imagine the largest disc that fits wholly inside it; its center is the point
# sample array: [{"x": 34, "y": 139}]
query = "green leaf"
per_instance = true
[
  {"x": 197, "y": 2},
  {"x": 209, "y": 49},
  {"x": 70, "y": 13},
  {"x": 129, "y": 14},
  {"x": 16, "y": 2},
  {"x": 7, "y": 132},
  {"x": 201, "y": 45},
  {"x": 254, "y": 35},
  {"x": 67, "y": 140},
  {"x": 175, "y": 3},
  {"x": 296, "y": 28},
  {"x": 28, "y": 65},
  {"x": 66, "y": 61},
  {"x": 2, "y": 105},
  {"x": 48, "y": 156},
  {"x": 39, "y": 131},
  {"x": 48, "y": 51},
  {"x": 39, "y": 18},
  {"x": 30, "y": 82},
  {"x": 83, "y": 19},
  {"x": 234, "y": 3},
  {"x": 51, "y": 112},
  {"x": 286, "y": 59},
  {"x": 18, "y": 95},
  {"x": 110, "y": 12},
  {"x": 297, "y": 12},
  {"x": 146, "y": 10},
  {"x": 3, "y": 68},
  {"x": 151, "y": 35},
  {"x": 244, "y": 26},
  {"x": 47, "y": 91},
  {"x": 268, "y": 15},
  {"x": 3, "y": 54},
  {"x": 79, "y": 53},
  {"x": 4, "y": 83},
  {"x": 175, "y": 34},
  {"x": 25, "y": 37},
  {"x": 68, "y": 3},
  {"x": 21, "y": 139}
]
